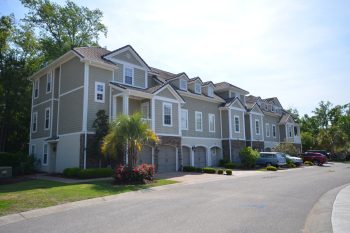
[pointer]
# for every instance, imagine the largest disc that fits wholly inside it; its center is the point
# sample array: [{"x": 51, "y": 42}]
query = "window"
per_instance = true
[
  {"x": 237, "y": 126},
  {"x": 257, "y": 127},
  {"x": 36, "y": 88},
  {"x": 295, "y": 131},
  {"x": 45, "y": 154},
  {"x": 183, "y": 84},
  {"x": 266, "y": 108},
  {"x": 35, "y": 122},
  {"x": 267, "y": 126},
  {"x": 184, "y": 119},
  {"x": 167, "y": 110},
  {"x": 47, "y": 119},
  {"x": 272, "y": 108},
  {"x": 99, "y": 92},
  {"x": 32, "y": 150},
  {"x": 198, "y": 88},
  {"x": 128, "y": 76},
  {"x": 199, "y": 121},
  {"x": 210, "y": 91},
  {"x": 274, "y": 131},
  {"x": 48, "y": 82},
  {"x": 289, "y": 131},
  {"x": 211, "y": 122}
]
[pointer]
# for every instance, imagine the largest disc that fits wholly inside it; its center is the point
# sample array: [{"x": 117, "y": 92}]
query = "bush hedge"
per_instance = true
[
  {"x": 228, "y": 172},
  {"x": 271, "y": 168},
  {"x": 139, "y": 174},
  {"x": 308, "y": 163},
  {"x": 231, "y": 165},
  {"x": 248, "y": 157},
  {"x": 222, "y": 162},
  {"x": 21, "y": 163},
  {"x": 220, "y": 171},
  {"x": 209, "y": 170},
  {"x": 72, "y": 172},
  {"x": 188, "y": 169},
  {"x": 90, "y": 173},
  {"x": 199, "y": 169}
]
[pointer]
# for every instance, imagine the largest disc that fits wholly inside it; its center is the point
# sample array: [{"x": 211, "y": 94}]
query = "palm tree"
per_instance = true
[{"x": 130, "y": 132}]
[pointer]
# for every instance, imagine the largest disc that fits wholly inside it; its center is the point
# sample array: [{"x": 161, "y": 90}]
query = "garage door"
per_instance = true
[
  {"x": 145, "y": 155},
  {"x": 186, "y": 156},
  {"x": 200, "y": 157},
  {"x": 214, "y": 156},
  {"x": 166, "y": 159}
]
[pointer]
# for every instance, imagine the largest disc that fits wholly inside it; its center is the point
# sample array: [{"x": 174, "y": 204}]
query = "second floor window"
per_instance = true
[
  {"x": 290, "y": 131},
  {"x": 128, "y": 76},
  {"x": 99, "y": 92},
  {"x": 183, "y": 84},
  {"x": 47, "y": 119},
  {"x": 199, "y": 121},
  {"x": 257, "y": 127},
  {"x": 295, "y": 131},
  {"x": 237, "y": 126},
  {"x": 267, "y": 126},
  {"x": 48, "y": 82},
  {"x": 167, "y": 109},
  {"x": 197, "y": 88},
  {"x": 184, "y": 119},
  {"x": 35, "y": 122},
  {"x": 36, "y": 88},
  {"x": 274, "y": 131},
  {"x": 211, "y": 123}
]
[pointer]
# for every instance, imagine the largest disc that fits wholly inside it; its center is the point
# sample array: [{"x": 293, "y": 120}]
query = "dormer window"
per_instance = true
[
  {"x": 183, "y": 84},
  {"x": 198, "y": 88},
  {"x": 210, "y": 91},
  {"x": 266, "y": 107},
  {"x": 272, "y": 108},
  {"x": 129, "y": 76}
]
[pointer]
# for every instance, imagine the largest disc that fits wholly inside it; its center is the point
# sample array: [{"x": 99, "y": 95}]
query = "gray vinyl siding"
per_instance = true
[
  {"x": 118, "y": 73},
  {"x": 124, "y": 57},
  {"x": 54, "y": 117},
  {"x": 225, "y": 123},
  {"x": 40, "y": 109},
  {"x": 139, "y": 78},
  {"x": 72, "y": 75},
  {"x": 159, "y": 128},
  {"x": 193, "y": 105},
  {"x": 224, "y": 95},
  {"x": 247, "y": 127},
  {"x": 97, "y": 75},
  {"x": 271, "y": 121},
  {"x": 56, "y": 82},
  {"x": 255, "y": 136},
  {"x": 151, "y": 82},
  {"x": 71, "y": 112},
  {"x": 240, "y": 134},
  {"x": 42, "y": 91},
  {"x": 166, "y": 93},
  {"x": 68, "y": 152},
  {"x": 282, "y": 133},
  {"x": 176, "y": 83}
]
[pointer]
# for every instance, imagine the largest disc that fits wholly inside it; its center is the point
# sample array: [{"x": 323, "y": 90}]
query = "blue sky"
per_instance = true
[{"x": 296, "y": 50}]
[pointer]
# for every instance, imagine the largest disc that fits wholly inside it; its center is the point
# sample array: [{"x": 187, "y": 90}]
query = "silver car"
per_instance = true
[
  {"x": 296, "y": 160},
  {"x": 271, "y": 158}
]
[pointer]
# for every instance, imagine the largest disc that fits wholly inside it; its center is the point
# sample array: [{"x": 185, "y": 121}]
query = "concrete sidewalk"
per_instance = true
[{"x": 341, "y": 211}]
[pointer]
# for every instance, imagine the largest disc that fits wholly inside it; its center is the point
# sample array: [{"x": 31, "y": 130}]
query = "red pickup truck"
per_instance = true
[{"x": 315, "y": 158}]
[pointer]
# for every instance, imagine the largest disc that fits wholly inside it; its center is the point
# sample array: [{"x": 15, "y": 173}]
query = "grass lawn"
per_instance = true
[{"x": 35, "y": 194}]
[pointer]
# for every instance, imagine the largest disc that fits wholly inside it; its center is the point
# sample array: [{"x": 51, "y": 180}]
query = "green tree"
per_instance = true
[
  {"x": 130, "y": 132},
  {"x": 307, "y": 140},
  {"x": 322, "y": 114},
  {"x": 101, "y": 126},
  {"x": 64, "y": 27},
  {"x": 248, "y": 157},
  {"x": 287, "y": 148}
]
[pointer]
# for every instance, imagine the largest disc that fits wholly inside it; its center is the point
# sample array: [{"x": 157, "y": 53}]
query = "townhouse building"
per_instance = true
[{"x": 198, "y": 123}]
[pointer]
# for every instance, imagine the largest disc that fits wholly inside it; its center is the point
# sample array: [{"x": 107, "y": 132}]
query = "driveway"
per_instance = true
[{"x": 268, "y": 202}]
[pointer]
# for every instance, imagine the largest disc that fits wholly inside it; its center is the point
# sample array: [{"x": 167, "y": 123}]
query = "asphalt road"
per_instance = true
[{"x": 286, "y": 201}]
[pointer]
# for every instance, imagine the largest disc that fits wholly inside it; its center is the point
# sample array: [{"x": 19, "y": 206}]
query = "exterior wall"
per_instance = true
[
  {"x": 71, "y": 112},
  {"x": 39, "y": 151},
  {"x": 240, "y": 134},
  {"x": 118, "y": 73},
  {"x": 99, "y": 75},
  {"x": 159, "y": 128},
  {"x": 282, "y": 133},
  {"x": 139, "y": 77},
  {"x": 68, "y": 150},
  {"x": 236, "y": 147},
  {"x": 224, "y": 95},
  {"x": 167, "y": 94},
  {"x": 56, "y": 84},
  {"x": 40, "y": 109},
  {"x": 271, "y": 141},
  {"x": 176, "y": 83},
  {"x": 225, "y": 123},
  {"x": 134, "y": 106},
  {"x": 226, "y": 149},
  {"x": 72, "y": 75},
  {"x": 255, "y": 136},
  {"x": 43, "y": 96},
  {"x": 127, "y": 57},
  {"x": 193, "y": 105},
  {"x": 247, "y": 127},
  {"x": 258, "y": 146},
  {"x": 54, "y": 116}
]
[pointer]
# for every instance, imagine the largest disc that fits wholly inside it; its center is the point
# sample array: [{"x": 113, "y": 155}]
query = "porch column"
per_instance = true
[
  {"x": 125, "y": 104},
  {"x": 208, "y": 157},
  {"x": 192, "y": 157}
]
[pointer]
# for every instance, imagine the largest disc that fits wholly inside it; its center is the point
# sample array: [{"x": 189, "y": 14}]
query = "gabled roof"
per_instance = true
[
  {"x": 274, "y": 100},
  {"x": 194, "y": 79},
  {"x": 231, "y": 101},
  {"x": 163, "y": 75},
  {"x": 252, "y": 99},
  {"x": 208, "y": 82},
  {"x": 225, "y": 85},
  {"x": 285, "y": 117},
  {"x": 255, "y": 105},
  {"x": 93, "y": 54}
]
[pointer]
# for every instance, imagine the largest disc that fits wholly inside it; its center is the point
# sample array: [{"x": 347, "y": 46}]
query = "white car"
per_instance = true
[{"x": 296, "y": 160}]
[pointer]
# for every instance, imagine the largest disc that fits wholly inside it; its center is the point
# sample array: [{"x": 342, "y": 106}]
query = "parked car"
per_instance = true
[
  {"x": 315, "y": 158},
  {"x": 271, "y": 158},
  {"x": 296, "y": 160},
  {"x": 324, "y": 152}
]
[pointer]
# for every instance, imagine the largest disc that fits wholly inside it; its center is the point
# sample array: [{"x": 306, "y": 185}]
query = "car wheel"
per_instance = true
[{"x": 315, "y": 162}]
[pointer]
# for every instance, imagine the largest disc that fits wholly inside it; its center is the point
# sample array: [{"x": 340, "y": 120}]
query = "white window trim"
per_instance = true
[
  {"x": 99, "y": 92},
  {"x": 267, "y": 128},
  {"x": 209, "y": 117},
  {"x": 171, "y": 114},
  {"x": 184, "y": 111},
  {"x": 132, "y": 75},
  {"x": 274, "y": 127},
  {"x": 47, "y": 155},
  {"x": 36, "y": 82},
  {"x": 239, "y": 124},
  {"x": 47, "y": 109},
  {"x": 49, "y": 75},
  {"x": 36, "y": 122},
  {"x": 200, "y": 88},
  {"x": 195, "y": 116},
  {"x": 185, "y": 83},
  {"x": 257, "y": 133}
]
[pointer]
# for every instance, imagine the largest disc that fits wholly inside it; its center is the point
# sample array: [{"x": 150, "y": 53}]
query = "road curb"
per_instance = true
[{"x": 341, "y": 211}]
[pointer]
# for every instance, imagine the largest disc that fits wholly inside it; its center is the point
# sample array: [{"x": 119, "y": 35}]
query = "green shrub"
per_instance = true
[
  {"x": 95, "y": 173},
  {"x": 287, "y": 148},
  {"x": 222, "y": 162},
  {"x": 308, "y": 163},
  {"x": 72, "y": 172},
  {"x": 220, "y": 171},
  {"x": 231, "y": 165},
  {"x": 188, "y": 169},
  {"x": 199, "y": 169},
  {"x": 209, "y": 170},
  {"x": 228, "y": 172},
  {"x": 248, "y": 157},
  {"x": 271, "y": 168},
  {"x": 290, "y": 163},
  {"x": 21, "y": 163}
]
